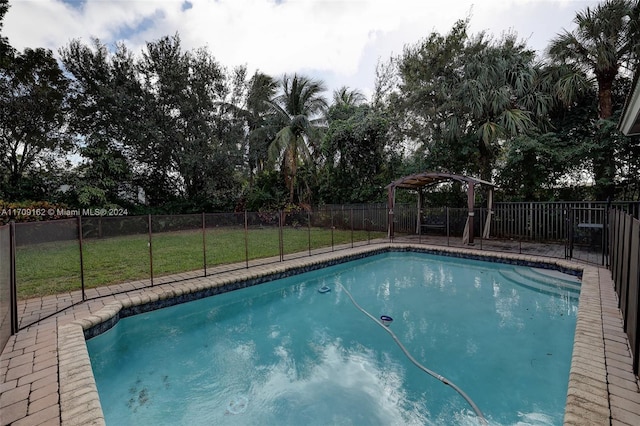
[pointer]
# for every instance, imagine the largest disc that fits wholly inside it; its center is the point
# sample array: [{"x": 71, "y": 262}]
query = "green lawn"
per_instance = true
[{"x": 53, "y": 268}]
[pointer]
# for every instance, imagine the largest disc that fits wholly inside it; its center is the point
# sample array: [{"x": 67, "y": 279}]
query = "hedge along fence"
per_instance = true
[{"x": 31, "y": 211}]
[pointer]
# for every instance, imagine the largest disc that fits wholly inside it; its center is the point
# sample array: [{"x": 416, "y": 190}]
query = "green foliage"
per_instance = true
[
  {"x": 463, "y": 97},
  {"x": 267, "y": 193},
  {"x": 354, "y": 151},
  {"x": 31, "y": 211},
  {"x": 191, "y": 135},
  {"x": 348, "y": 97},
  {"x": 604, "y": 38},
  {"x": 105, "y": 100},
  {"x": 261, "y": 124},
  {"x": 297, "y": 109},
  {"x": 163, "y": 123},
  {"x": 544, "y": 160},
  {"x": 189, "y": 146},
  {"x": 32, "y": 121},
  {"x": 5, "y": 47}
]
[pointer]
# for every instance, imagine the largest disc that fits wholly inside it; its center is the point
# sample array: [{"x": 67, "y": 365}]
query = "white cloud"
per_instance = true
[{"x": 338, "y": 40}]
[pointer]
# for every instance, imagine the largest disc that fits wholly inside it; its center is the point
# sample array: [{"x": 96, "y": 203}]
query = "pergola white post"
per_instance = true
[
  {"x": 467, "y": 236},
  {"x": 391, "y": 201},
  {"x": 419, "y": 218},
  {"x": 487, "y": 224}
]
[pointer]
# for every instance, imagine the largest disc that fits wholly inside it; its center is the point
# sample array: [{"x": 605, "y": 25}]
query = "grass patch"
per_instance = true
[{"x": 53, "y": 268}]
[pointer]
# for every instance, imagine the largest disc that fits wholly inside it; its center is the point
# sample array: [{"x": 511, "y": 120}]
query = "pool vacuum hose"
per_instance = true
[{"x": 414, "y": 361}]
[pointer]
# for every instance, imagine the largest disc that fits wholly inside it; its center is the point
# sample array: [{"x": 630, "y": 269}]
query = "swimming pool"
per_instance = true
[{"x": 284, "y": 353}]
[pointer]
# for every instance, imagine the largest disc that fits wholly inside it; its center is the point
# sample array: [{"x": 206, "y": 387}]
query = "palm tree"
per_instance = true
[
  {"x": 348, "y": 97},
  {"x": 464, "y": 97},
  {"x": 262, "y": 88},
  {"x": 606, "y": 38},
  {"x": 298, "y": 108},
  {"x": 501, "y": 96}
]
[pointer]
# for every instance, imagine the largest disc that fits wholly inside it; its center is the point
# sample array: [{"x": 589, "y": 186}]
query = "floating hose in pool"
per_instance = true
[{"x": 414, "y": 361}]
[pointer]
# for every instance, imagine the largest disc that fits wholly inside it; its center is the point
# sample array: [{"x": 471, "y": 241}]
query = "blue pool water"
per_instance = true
[{"x": 283, "y": 353}]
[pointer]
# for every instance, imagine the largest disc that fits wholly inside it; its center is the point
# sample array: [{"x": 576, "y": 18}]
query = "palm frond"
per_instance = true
[{"x": 280, "y": 144}]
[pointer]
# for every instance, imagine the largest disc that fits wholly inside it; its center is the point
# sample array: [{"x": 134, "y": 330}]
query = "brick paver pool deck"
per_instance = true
[{"x": 46, "y": 378}]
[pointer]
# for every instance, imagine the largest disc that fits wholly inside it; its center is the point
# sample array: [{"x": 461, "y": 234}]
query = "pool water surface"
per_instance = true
[{"x": 284, "y": 353}]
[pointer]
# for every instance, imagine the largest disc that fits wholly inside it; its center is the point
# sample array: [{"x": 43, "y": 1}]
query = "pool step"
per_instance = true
[
  {"x": 550, "y": 277},
  {"x": 547, "y": 287}
]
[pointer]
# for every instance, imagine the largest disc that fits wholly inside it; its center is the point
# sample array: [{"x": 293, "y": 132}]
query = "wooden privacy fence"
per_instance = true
[{"x": 625, "y": 270}]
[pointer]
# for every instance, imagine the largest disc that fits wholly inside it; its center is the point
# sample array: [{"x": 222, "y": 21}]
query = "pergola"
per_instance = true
[{"x": 420, "y": 180}]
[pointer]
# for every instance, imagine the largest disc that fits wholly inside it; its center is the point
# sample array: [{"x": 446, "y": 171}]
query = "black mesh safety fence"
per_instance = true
[
  {"x": 115, "y": 250},
  {"x": 113, "y": 226},
  {"x": 296, "y": 234},
  {"x": 225, "y": 239},
  {"x": 7, "y": 305},
  {"x": 48, "y": 261},
  {"x": 449, "y": 227},
  {"x": 84, "y": 257},
  {"x": 624, "y": 256},
  {"x": 405, "y": 220},
  {"x": 322, "y": 231},
  {"x": 177, "y": 244},
  {"x": 366, "y": 225},
  {"x": 263, "y": 237},
  {"x": 359, "y": 225}
]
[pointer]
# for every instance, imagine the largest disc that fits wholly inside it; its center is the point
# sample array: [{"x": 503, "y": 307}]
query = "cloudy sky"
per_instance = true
[{"x": 338, "y": 41}]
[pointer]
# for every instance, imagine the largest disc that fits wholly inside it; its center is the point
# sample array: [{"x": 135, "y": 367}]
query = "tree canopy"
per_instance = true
[
  {"x": 605, "y": 40},
  {"x": 171, "y": 129}
]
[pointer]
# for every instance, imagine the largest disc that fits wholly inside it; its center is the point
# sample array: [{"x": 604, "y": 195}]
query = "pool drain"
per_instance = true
[
  {"x": 237, "y": 405},
  {"x": 324, "y": 289}
]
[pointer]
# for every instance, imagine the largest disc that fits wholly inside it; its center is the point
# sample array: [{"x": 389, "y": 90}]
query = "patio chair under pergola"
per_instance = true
[{"x": 419, "y": 181}]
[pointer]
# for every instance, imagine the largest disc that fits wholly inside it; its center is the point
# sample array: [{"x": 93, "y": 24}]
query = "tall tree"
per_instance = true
[
  {"x": 189, "y": 148},
  {"x": 299, "y": 109},
  {"x": 354, "y": 151},
  {"x": 32, "y": 119},
  {"x": 5, "y": 47},
  {"x": 105, "y": 105},
  {"x": 346, "y": 96},
  {"x": 462, "y": 97},
  {"x": 605, "y": 39},
  {"x": 262, "y": 88}
]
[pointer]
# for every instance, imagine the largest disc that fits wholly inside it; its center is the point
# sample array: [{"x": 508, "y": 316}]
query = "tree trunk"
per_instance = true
[
  {"x": 604, "y": 162},
  {"x": 605, "y": 105},
  {"x": 486, "y": 169},
  {"x": 290, "y": 173}
]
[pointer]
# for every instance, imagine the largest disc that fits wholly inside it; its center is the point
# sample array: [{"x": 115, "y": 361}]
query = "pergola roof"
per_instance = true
[{"x": 420, "y": 180}]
